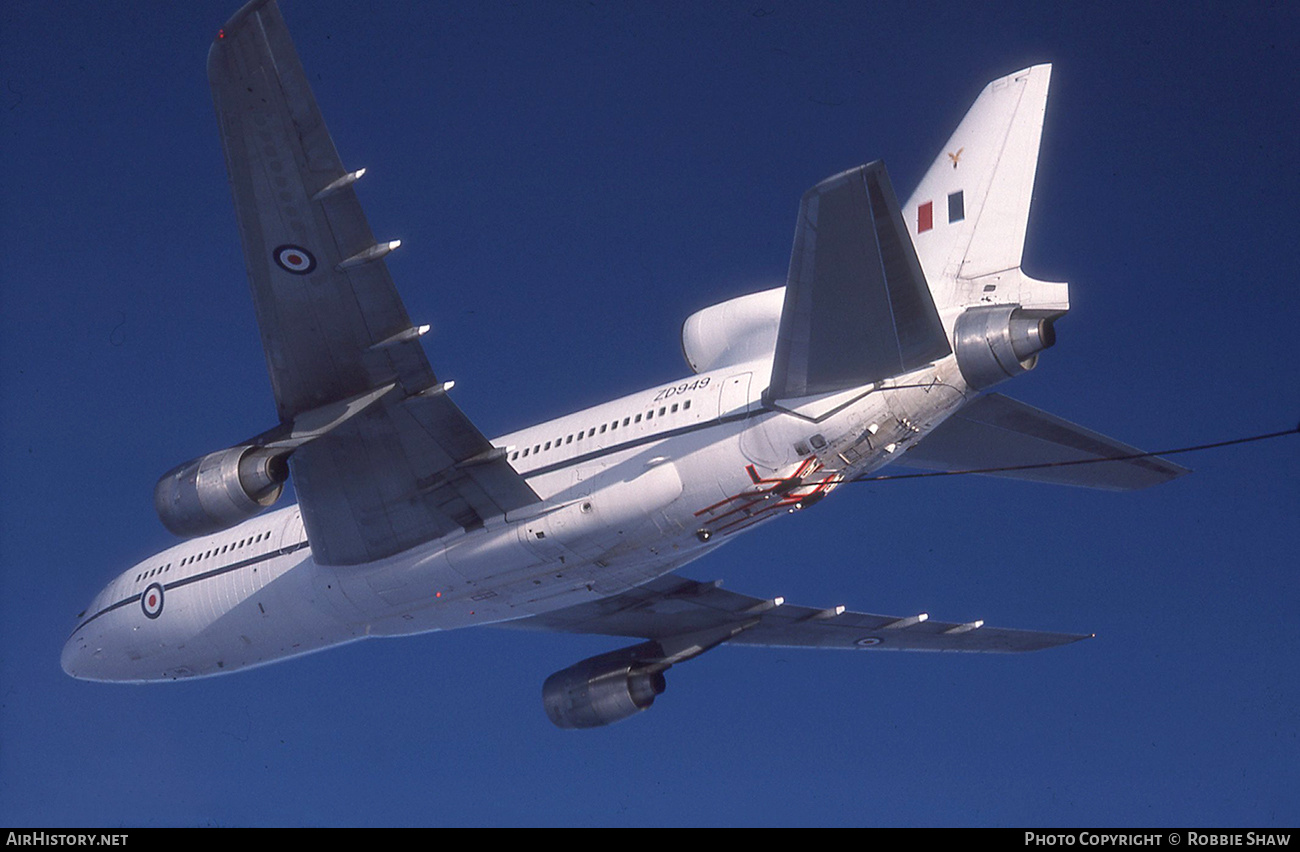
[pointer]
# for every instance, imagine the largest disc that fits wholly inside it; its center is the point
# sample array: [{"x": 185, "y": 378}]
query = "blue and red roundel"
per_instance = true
[
  {"x": 152, "y": 600},
  {"x": 295, "y": 259}
]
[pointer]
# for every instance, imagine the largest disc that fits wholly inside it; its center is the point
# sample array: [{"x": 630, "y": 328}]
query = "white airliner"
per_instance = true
[{"x": 893, "y": 323}]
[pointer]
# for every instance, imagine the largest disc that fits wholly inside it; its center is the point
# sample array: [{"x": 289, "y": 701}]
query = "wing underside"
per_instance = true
[
  {"x": 411, "y": 467},
  {"x": 672, "y": 607},
  {"x": 857, "y": 307}
]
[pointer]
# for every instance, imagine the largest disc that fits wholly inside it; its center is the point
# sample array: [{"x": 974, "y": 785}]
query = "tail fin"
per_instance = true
[{"x": 968, "y": 216}]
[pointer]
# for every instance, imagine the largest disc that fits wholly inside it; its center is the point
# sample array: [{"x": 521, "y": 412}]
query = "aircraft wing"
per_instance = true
[
  {"x": 410, "y": 467},
  {"x": 996, "y": 431},
  {"x": 857, "y": 307},
  {"x": 672, "y": 608}
]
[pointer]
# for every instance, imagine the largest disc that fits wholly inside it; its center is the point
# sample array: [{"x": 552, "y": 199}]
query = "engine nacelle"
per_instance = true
[
  {"x": 217, "y": 491},
  {"x": 734, "y": 331},
  {"x": 604, "y": 689},
  {"x": 997, "y": 342}
]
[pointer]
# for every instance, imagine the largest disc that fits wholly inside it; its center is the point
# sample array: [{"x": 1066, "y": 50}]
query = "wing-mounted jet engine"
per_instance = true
[
  {"x": 217, "y": 491},
  {"x": 607, "y": 688}
]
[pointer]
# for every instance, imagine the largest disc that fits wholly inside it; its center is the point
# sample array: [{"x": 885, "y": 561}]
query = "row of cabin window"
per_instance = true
[
  {"x": 147, "y": 574},
  {"x": 214, "y": 552},
  {"x": 558, "y": 442}
]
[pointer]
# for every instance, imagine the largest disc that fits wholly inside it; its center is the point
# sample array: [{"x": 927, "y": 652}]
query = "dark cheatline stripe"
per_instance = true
[
  {"x": 550, "y": 468},
  {"x": 185, "y": 581},
  {"x": 645, "y": 439}
]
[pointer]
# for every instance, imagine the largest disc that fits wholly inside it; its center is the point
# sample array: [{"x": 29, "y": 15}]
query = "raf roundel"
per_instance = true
[
  {"x": 295, "y": 259},
  {"x": 152, "y": 600}
]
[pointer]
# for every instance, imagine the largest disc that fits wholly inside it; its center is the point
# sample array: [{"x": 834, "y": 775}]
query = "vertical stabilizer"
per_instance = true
[{"x": 968, "y": 216}]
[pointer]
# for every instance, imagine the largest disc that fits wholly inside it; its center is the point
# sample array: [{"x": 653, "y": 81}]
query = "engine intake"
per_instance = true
[
  {"x": 997, "y": 342},
  {"x": 217, "y": 491},
  {"x": 604, "y": 689}
]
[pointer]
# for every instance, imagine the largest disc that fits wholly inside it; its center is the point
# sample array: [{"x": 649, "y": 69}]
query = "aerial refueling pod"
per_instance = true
[
  {"x": 607, "y": 688},
  {"x": 217, "y": 491},
  {"x": 996, "y": 342}
]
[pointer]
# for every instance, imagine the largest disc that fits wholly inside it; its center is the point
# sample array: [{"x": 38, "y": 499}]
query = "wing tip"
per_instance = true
[
  {"x": 231, "y": 29},
  {"x": 237, "y": 19}
]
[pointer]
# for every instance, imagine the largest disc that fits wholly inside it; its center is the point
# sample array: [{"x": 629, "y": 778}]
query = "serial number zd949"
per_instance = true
[{"x": 684, "y": 387}]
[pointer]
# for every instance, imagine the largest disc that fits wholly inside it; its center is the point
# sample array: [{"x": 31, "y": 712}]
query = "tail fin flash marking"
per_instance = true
[
  {"x": 986, "y": 170},
  {"x": 925, "y": 217}
]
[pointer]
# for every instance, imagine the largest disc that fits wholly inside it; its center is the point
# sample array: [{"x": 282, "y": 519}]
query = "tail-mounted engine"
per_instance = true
[
  {"x": 997, "y": 342},
  {"x": 217, "y": 491},
  {"x": 605, "y": 689}
]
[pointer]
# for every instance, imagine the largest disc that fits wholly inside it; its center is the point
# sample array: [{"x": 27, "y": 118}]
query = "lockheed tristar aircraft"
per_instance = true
[{"x": 894, "y": 322}]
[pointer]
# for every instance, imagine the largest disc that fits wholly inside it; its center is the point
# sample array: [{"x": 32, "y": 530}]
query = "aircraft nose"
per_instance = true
[
  {"x": 80, "y": 657},
  {"x": 70, "y": 658}
]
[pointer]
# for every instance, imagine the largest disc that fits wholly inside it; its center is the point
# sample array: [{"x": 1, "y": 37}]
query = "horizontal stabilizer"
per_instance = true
[
  {"x": 995, "y": 431},
  {"x": 857, "y": 307}
]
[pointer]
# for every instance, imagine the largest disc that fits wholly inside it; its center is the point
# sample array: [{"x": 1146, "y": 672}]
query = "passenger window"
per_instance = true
[
  {"x": 686, "y": 405},
  {"x": 638, "y": 418},
  {"x": 674, "y": 408},
  {"x": 602, "y": 428},
  {"x": 569, "y": 440}
]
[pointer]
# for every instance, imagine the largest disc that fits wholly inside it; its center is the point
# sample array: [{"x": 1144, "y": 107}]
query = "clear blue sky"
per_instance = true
[{"x": 569, "y": 181}]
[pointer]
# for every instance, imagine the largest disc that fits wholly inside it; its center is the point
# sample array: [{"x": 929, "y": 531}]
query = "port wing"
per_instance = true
[{"x": 672, "y": 608}]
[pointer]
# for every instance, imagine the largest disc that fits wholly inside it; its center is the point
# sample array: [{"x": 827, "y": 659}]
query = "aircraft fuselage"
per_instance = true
[{"x": 632, "y": 489}]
